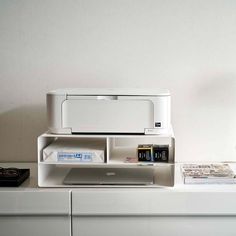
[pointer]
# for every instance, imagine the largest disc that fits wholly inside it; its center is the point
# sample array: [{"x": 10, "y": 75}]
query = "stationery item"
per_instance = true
[
  {"x": 73, "y": 150},
  {"x": 208, "y": 174},
  {"x": 13, "y": 177},
  {"x": 160, "y": 153},
  {"x": 131, "y": 160},
  {"x": 145, "y": 152}
]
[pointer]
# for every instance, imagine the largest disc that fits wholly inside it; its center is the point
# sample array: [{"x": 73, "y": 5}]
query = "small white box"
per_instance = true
[{"x": 72, "y": 150}]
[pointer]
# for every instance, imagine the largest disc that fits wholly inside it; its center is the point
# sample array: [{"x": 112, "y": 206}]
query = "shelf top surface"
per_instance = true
[{"x": 110, "y": 92}]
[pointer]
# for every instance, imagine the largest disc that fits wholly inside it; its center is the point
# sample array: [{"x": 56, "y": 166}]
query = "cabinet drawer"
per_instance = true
[
  {"x": 35, "y": 225},
  {"x": 152, "y": 202},
  {"x": 35, "y": 203},
  {"x": 154, "y": 225}
]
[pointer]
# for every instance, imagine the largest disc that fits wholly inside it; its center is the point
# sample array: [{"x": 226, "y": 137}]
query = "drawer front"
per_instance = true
[
  {"x": 35, "y": 203},
  {"x": 154, "y": 226},
  {"x": 152, "y": 202},
  {"x": 35, "y": 225}
]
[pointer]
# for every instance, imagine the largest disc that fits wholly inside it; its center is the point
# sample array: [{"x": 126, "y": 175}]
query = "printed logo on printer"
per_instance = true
[{"x": 157, "y": 124}]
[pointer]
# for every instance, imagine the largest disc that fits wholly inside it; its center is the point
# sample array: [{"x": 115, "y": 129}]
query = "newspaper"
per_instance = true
[{"x": 208, "y": 174}]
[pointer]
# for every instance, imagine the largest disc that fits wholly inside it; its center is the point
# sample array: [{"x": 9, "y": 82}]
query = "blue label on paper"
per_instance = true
[{"x": 74, "y": 156}]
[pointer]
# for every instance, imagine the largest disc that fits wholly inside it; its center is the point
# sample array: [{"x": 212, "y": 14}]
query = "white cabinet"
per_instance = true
[
  {"x": 37, "y": 213},
  {"x": 153, "y": 212},
  {"x": 181, "y": 210}
]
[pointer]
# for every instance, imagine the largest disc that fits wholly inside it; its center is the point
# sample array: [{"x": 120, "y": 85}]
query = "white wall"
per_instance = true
[{"x": 186, "y": 46}]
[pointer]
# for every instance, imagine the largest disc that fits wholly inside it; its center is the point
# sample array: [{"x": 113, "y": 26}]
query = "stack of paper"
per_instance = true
[{"x": 65, "y": 150}]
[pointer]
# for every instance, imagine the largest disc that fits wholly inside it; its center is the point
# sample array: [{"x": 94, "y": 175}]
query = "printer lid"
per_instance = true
[{"x": 110, "y": 91}]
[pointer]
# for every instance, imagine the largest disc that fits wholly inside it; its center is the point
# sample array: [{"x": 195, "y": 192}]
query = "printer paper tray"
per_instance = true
[{"x": 107, "y": 116}]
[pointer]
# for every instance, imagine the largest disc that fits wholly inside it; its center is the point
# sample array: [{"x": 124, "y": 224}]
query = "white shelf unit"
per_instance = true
[{"x": 117, "y": 149}]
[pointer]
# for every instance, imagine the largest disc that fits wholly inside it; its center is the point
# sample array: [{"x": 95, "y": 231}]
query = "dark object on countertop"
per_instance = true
[{"x": 13, "y": 177}]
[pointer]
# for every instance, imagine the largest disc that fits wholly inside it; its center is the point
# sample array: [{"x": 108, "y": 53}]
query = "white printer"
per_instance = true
[{"x": 108, "y": 111}]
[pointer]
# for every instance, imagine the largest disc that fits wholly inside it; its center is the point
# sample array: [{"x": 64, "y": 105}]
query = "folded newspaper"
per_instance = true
[{"x": 208, "y": 174}]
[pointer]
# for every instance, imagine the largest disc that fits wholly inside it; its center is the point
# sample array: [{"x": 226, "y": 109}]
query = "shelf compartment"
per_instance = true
[
  {"x": 121, "y": 148},
  {"x": 53, "y": 176},
  {"x": 45, "y": 140}
]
